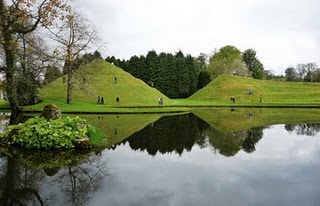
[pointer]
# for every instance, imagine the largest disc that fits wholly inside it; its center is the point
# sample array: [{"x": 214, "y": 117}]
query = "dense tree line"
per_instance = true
[
  {"x": 179, "y": 76},
  {"x": 175, "y": 75}
]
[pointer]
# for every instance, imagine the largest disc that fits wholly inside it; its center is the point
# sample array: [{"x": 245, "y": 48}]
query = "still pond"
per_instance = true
[{"x": 209, "y": 157}]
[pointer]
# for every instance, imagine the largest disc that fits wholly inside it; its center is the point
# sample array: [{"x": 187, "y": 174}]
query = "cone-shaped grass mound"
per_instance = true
[
  {"x": 100, "y": 78},
  {"x": 252, "y": 91}
]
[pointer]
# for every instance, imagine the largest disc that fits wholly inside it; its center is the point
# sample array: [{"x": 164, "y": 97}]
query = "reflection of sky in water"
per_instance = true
[{"x": 284, "y": 170}]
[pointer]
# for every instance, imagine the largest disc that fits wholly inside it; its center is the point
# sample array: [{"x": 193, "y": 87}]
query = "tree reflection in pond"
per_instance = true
[
  {"x": 303, "y": 129},
  {"x": 169, "y": 134},
  {"x": 180, "y": 133},
  {"x": 253, "y": 136},
  {"x": 76, "y": 182},
  {"x": 19, "y": 183}
]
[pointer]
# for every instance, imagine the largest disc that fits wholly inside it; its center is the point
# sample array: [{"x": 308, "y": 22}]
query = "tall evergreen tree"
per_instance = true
[
  {"x": 143, "y": 71},
  {"x": 203, "y": 79},
  {"x": 123, "y": 64},
  {"x": 171, "y": 77},
  {"x": 182, "y": 75},
  {"x": 133, "y": 66},
  {"x": 152, "y": 66},
  {"x": 192, "y": 74},
  {"x": 112, "y": 60},
  {"x": 162, "y": 82}
]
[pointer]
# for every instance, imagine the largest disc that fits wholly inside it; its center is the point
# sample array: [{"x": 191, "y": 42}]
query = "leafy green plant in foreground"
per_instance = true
[{"x": 39, "y": 133}]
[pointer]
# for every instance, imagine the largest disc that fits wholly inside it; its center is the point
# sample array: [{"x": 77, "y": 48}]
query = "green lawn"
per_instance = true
[
  {"x": 97, "y": 79},
  {"x": 85, "y": 107},
  {"x": 272, "y": 93}
]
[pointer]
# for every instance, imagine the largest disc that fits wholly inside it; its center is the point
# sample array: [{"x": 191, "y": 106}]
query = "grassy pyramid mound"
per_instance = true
[
  {"x": 221, "y": 89},
  {"x": 98, "y": 79}
]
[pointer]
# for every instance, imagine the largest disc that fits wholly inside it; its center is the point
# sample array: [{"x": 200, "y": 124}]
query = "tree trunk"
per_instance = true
[
  {"x": 9, "y": 49},
  {"x": 69, "y": 83},
  {"x": 15, "y": 117}
]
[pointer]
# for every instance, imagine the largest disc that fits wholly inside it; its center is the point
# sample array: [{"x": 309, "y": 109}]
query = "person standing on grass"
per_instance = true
[
  {"x": 98, "y": 102},
  {"x": 102, "y": 100}
]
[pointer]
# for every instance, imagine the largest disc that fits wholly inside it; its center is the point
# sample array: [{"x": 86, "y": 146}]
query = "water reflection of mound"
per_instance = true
[
  {"x": 169, "y": 134},
  {"x": 121, "y": 126},
  {"x": 180, "y": 133}
]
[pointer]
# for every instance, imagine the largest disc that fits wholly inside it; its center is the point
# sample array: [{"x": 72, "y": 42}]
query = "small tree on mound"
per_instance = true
[
  {"x": 74, "y": 35},
  {"x": 253, "y": 63},
  {"x": 227, "y": 60}
]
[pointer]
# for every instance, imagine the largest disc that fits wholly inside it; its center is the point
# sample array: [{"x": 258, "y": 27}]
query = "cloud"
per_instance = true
[{"x": 283, "y": 33}]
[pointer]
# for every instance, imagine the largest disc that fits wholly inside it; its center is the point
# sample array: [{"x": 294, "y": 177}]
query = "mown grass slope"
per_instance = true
[
  {"x": 98, "y": 79},
  {"x": 221, "y": 89}
]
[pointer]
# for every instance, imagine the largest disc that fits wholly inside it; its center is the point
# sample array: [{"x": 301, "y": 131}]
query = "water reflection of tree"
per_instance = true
[
  {"x": 229, "y": 143},
  {"x": 19, "y": 184},
  {"x": 179, "y": 133},
  {"x": 169, "y": 134},
  {"x": 252, "y": 138},
  {"x": 303, "y": 129},
  {"x": 78, "y": 181}
]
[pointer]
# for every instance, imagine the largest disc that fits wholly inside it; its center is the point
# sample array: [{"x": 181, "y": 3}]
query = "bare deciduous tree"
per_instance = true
[{"x": 74, "y": 36}]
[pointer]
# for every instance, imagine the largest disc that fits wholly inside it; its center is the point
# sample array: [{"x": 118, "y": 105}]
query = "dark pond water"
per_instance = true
[{"x": 176, "y": 160}]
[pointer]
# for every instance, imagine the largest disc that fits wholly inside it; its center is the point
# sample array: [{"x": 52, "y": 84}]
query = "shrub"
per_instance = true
[{"x": 39, "y": 133}]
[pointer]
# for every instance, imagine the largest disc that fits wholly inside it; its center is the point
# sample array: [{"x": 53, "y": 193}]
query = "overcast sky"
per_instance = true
[{"x": 283, "y": 32}]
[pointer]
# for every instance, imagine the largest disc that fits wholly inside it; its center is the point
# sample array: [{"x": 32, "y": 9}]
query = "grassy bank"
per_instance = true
[
  {"x": 215, "y": 94},
  {"x": 272, "y": 93},
  {"x": 98, "y": 79},
  {"x": 238, "y": 119},
  {"x": 85, "y": 107}
]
